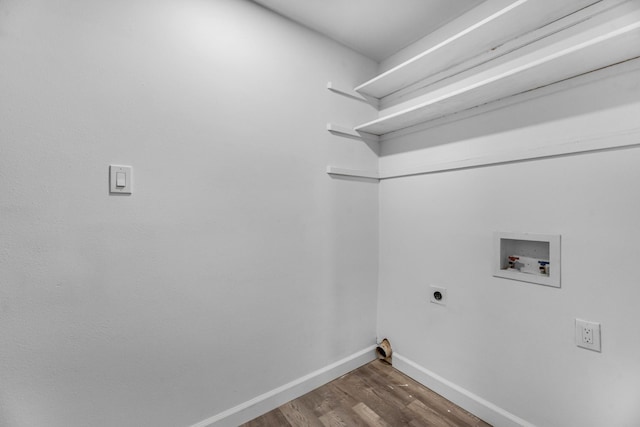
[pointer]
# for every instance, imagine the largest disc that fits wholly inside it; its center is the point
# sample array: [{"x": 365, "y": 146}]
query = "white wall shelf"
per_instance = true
[
  {"x": 603, "y": 142},
  {"x": 354, "y": 173},
  {"x": 351, "y": 93},
  {"x": 491, "y": 29},
  {"x": 349, "y": 132},
  {"x": 610, "y": 37},
  {"x": 343, "y": 131}
]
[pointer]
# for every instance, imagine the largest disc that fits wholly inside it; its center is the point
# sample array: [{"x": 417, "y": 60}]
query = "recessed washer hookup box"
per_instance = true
[{"x": 527, "y": 257}]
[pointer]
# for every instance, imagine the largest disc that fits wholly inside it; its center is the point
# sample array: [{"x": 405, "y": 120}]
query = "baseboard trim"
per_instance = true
[
  {"x": 272, "y": 399},
  {"x": 481, "y": 408}
]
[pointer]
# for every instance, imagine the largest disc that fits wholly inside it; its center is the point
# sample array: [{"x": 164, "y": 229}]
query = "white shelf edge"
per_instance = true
[
  {"x": 348, "y": 132},
  {"x": 628, "y": 138},
  {"x": 483, "y": 33},
  {"x": 448, "y": 41},
  {"x": 608, "y": 141},
  {"x": 632, "y": 64},
  {"x": 350, "y": 93},
  {"x": 332, "y": 170},
  {"x": 422, "y": 84},
  {"x": 475, "y": 84},
  {"x": 343, "y": 130}
]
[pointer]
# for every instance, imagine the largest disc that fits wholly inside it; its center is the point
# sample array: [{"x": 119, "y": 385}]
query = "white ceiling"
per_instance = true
[{"x": 375, "y": 28}]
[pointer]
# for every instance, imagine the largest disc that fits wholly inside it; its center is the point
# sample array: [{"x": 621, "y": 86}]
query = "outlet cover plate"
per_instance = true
[
  {"x": 443, "y": 295},
  {"x": 588, "y": 335}
]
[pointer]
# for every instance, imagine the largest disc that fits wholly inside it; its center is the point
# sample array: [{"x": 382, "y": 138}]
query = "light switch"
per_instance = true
[{"x": 120, "y": 179}]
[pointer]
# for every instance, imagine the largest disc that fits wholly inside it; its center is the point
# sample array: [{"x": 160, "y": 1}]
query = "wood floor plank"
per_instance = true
[
  {"x": 298, "y": 415},
  {"x": 448, "y": 409},
  {"x": 429, "y": 416},
  {"x": 321, "y": 400},
  {"x": 332, "y": 406},
  {"x": 369, "y": 416},
  {"x": 270, "y": 419},
  {"x": 412, "y": 389},
  {"x": 333, "y": 419},
  {"x": 374, "y": 395},
  {"x": 393, "y": 389}
]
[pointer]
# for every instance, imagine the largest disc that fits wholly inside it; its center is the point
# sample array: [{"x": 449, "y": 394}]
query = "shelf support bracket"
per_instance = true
[
  {"x": 354, "y": 173},
  {"x": 350, "y": 93},
  {"x": 348, "y": 132}
]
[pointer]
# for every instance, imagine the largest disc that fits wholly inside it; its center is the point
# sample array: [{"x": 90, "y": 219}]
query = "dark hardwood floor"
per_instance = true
[{"x": 374, "y": 395}]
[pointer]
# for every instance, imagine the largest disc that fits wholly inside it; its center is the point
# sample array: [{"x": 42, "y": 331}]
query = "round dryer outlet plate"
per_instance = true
[{"x": 438, "y": 295}]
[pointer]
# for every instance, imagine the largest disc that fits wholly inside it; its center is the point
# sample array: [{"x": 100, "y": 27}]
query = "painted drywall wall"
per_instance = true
[
  {"x": 237, "y": 265},
  {"x": 508, "y": 342}
]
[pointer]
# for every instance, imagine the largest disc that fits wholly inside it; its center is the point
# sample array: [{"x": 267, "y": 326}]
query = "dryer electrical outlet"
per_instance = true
[{"x": 438, "y": 295}]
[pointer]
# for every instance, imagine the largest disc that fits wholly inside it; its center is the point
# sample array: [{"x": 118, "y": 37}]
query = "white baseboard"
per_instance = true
[
  {"x": 481, "y": 408},
  {"x": 272, "y": 399}
]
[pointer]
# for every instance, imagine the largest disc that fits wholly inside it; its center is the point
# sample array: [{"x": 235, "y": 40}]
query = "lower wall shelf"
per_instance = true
[{"x": 332, "y": 170}]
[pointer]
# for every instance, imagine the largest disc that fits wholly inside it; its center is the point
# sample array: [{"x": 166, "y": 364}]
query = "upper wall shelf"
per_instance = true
[
  {"x": 608, "y": 37},
  {"x": 489, "y": 30}
]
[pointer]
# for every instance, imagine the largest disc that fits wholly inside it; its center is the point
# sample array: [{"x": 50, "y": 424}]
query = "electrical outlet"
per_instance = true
[
  {"x": 588, "y": 335},
  {"x": 438, "y": 295}
]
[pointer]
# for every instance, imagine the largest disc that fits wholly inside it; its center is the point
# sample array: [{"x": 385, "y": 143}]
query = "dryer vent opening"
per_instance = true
[{"x": 384, "y": 349}]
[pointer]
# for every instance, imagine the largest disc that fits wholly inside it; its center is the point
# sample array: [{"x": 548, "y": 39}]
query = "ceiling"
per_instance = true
[{"x": 375, "y": 28}]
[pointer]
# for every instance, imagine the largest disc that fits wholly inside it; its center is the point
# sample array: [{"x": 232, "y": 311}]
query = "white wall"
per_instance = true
[
  {"x": 512, "y": 343},
  {"x": 236, "y": 266}
]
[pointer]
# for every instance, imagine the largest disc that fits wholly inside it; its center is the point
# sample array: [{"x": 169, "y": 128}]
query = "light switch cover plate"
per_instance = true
[{"x": 118, "y": 170}]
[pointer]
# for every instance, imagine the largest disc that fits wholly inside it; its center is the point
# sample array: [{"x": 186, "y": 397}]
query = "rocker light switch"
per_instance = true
[{"x": 120, "y": 179}]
